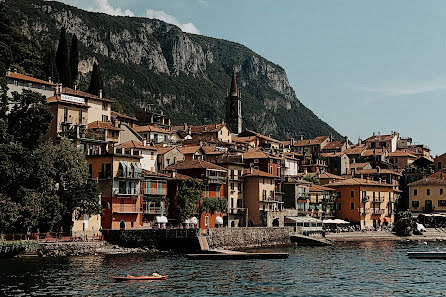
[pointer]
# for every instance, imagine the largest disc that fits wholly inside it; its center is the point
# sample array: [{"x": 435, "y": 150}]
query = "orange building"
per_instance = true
[
  {"x": 118, "y": 173},
  {"x": 364, "y": 202},
  {"x": 214, "y": 179}
]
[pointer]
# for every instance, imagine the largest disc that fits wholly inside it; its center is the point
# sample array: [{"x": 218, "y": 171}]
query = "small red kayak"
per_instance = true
[{"x": 141, "y": 277}]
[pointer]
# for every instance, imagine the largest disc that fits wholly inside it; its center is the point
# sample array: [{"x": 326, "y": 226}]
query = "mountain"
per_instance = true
[{"x": 187, "y": 76}]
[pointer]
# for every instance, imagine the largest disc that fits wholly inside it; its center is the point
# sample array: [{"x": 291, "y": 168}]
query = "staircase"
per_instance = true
[{"x": 204, "y": 246}]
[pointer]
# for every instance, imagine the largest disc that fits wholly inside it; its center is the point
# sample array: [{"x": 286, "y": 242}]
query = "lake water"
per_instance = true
[{"x": 347, "y": 269}]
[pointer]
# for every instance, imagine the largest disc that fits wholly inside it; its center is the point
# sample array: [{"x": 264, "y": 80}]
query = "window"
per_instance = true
[
  {"x": 428, "y": 192},
  {"x": 232, "y": 186},
  {"x": 270, "y": 169},
  {"x": 80, "y": 117},
  {"x": 65, "y": 114},
  {"x": 16, "y": 83},
  {"x": 264, "y": 194},
  {"x": 218, "y": 191},
  {"x": 352, "y": 194},
  {"x": 441, "y": 191},
  {"x": 263, "y": 181},
  {"x": 352, "y": 205},
  {"x": 104, "y": 118},
  {"x": 104, "y": 105},
  {"x": 415, "y": 192},
  {"x": 337, "y": 205},
  {"x": 439, "y": 165},
  {"x": 415, "y": 204},
  {"x": 30, "y": 85},
  {"x": 441, "y": 203}
]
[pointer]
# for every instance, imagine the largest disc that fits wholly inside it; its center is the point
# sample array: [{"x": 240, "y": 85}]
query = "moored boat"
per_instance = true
[
  {"x": 140, "y": 277},
  {"x": 427, "y": 255}
]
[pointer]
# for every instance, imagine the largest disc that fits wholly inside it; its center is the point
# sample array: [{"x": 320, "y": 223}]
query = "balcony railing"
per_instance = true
[
  {"x": 216, "y": 179},
  {"x": 126, "y": 208},
  {"x": 153, "y": 210},
  {"x": 378, "y": 200}
]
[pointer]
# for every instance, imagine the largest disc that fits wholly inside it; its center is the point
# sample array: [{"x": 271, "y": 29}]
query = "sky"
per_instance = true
[{"x": 361, "y": 66}]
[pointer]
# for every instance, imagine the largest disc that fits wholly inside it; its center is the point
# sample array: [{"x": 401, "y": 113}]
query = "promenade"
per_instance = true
[{"x": 431, "y": 234}]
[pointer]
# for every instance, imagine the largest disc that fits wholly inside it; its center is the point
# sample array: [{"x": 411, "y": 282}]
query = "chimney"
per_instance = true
[
  {"x": 8, "y": 72},
  {"x": 359, "y": 141},
  {"x": 330, "y": 137},
  {"x": 15, "y": 70},
  {"x": 346, "y": 139},
  {"x": 174, "y": 173},
  {"x": 145, "y": 142},
  {"x": 75, "y": 86},
  {"x": 373, "y": 134},
  {"x": 185, "y": 127},
  {"x": 49, "y": 79},
  {"x": 100, "y": 93},
  {"x": 301, "y": 137},
  {"x": 378, "y": 169},
  {"x": 292, "y": 141}
]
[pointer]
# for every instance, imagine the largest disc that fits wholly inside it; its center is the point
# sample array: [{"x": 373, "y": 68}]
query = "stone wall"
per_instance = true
[
  {"x": 250, "y": 237},
  {"x": 69, "y": 248}
]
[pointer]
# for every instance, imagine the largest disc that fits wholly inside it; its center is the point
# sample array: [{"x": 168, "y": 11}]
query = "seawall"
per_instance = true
[{"x": 248, "y": 237}]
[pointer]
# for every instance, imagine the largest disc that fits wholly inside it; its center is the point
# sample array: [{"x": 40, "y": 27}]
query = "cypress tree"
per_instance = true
[
  {"x": 74, "y": 59},
  {"x": 50, "y": 65},
  {"x": 62, "y": 63},
  {"x": 96, "y": 82}
]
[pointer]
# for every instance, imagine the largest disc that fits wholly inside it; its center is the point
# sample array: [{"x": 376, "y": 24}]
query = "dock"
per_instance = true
[
  {"x": 427, "y": 255},
  {"x": 234, "y": 255},
  {"x": 300, "y": 239}
]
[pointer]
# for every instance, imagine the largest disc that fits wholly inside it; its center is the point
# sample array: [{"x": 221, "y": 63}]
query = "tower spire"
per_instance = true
[{"x": 233, "y": 89}]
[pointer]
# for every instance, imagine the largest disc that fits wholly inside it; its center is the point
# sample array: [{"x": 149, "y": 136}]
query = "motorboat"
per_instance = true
[{"x": 129, "y": 277}]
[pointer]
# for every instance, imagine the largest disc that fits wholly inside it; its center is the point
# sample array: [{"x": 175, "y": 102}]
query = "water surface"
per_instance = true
[{"x": 347, "y": 269}]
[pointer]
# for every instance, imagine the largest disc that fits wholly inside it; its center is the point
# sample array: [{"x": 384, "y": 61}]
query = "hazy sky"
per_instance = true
[{"x": 362, "y": 66}]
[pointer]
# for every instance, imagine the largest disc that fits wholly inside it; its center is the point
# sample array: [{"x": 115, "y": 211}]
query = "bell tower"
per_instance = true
[{"x": 234, "y": 108}]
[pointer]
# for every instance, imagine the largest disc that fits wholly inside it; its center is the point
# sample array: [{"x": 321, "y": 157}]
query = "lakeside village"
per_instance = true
[{"x": 245, "y": 179}]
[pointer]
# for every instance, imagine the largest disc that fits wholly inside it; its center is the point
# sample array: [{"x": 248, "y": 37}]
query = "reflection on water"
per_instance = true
[{"x": 350, "y": 269}]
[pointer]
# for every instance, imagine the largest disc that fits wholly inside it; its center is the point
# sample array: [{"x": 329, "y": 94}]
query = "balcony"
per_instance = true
[
  {"x": 125, "y": 208},
  {"x": 378, "y": 200},
  {"x": 155, "y": 210},
  {"x": 216, "y": 179},
  {"x": 377, "y": 212}
]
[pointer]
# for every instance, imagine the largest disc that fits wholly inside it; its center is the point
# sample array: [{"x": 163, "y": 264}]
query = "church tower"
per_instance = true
[{"x": 234, "y": 108}]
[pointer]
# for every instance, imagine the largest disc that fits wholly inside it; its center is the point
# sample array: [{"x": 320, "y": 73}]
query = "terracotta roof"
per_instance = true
[
  {"x": 70, "y": 91},
  {"x": 256, "y": 172},
  {"x": 102, "y": 125},
  {"x": 20, "y": 76},
  {"x": 192, "y": 164},
  {"x": 57, "y": 99},
  {"x": 136, "y": 144},
  {"x": 164, "y": 149},
  {"x": 244, "y": 139},
  {"x": 149, "y": 128},
  {"x": 306, "y": 142},
  {"x": 373, "y": 152},
  {"x": 186, "y": 150},
  {"x": 329, "y": 175},
  {"x": 211, "y": 128},
  {"x": 357, "y": 150},
  {"x": 359, "y": 165},
  {"x": 120, "y": 115},
  {"x": 331, "y": 155},
  {"x": 358, "y": 182},
  {"x": 385, "y": 137},
  {"x": 333, "y": 145},
  {"x": 318, "y": 188},
  {"x": 146, "y": 172},
  {"x": 375, "y": 171},
  {"x": 401, "y": 154},
  {"x": 256, "y": 134},
  {"x": 438, "y": 178},
  {"x": 255, "y": 155}
]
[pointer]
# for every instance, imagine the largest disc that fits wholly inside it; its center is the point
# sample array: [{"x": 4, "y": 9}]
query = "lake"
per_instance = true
[{"x": 345, "y": 269}]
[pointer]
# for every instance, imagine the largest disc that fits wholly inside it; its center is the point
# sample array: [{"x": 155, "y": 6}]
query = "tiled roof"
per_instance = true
[
  {"x": 359, "y": 165},
  {"x": 318, "y": 188},
  {"x": 136, "y": 144},
  {"x": 256, "y": 172},
  {"x": 146, "y": 172},
  {"x": 329, "y": 175},
  {"x": 375, "y": 171},
  {"x": 211, "y": 128},
  {"x": 356, "y": 150},
  {"x": 120, "y": 115},
  {"x": 149, "y": 128},
  {"x": 187, "y": 150},
  {"x": 331, "y": 155},
  {"x": 255, "y": 155},
  {"x": 358, "y": 182},
  {"x": 57, "y": 99},
  {"x": 102, "y": 125},
  {"x": 82, "y": 94},
  {"x": 401, "y": 154},
  {"x": 438, "y": 178},
  {"x": 385, "y": 137},
  {"x": 374, "y": 152},
  {"x": 164, "y": 149},
  {"x": 256, "y": 134},
  {"x": 333, "y": 145},
  {"x": 192, "y": 164},
  {"x": 306, "y": 142},
  {"x": 244, "y": 139},
  {"x": 20, "y": 76}
]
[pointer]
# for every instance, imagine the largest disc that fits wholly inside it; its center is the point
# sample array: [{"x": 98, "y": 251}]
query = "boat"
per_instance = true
[
  {"x": 427, "y": 255},
  {"x": 129, "y": 277}
]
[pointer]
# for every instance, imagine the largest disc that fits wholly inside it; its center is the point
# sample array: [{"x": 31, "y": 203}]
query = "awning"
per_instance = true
[
  {"x": 161, "y": 219},
  {"x": 335, "y": 221},
  {"x": 303, "y": 219},
  {"x": 219, "y": 220},
  {"x": 125, "y": 168},
  {"x": 137, "y": 169}
]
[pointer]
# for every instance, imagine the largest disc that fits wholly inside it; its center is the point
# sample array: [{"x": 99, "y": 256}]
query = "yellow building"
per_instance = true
[
  {"x": 428, "y": 194},
  {"x": 366, "y": 203}
]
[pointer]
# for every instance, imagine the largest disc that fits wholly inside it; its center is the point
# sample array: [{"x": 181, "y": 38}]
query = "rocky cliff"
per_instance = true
[{"x": 185, "y": 75}]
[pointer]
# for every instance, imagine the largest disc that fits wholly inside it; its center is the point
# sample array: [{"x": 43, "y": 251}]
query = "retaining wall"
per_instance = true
[{"x": 248, "y": 237}]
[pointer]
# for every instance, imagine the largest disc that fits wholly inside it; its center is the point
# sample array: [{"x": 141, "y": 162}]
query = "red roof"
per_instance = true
[
  {"x": 120, "y": 115},
  {"x": 102, "y": 125},
  {"x": 306, "y": 142},
  {"x": 149, "y": 128},
  {"x": 20, "y": 76},
  {"x": 193, "y": 164},
  {"x": 136, "y": 144},
  {"x": 256, "y": 172}
]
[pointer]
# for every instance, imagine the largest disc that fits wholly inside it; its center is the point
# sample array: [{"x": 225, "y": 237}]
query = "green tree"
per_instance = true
[
  {"x": 62, "y": 60},
  {"x": 50, "y": 65},
  {"x": 74, "y": 59},
  {"x": 404, "y": 225},
  {"x": 189, "y": 198},
  {"x": 311, "y": 178},
  {"x": 29, "y": 119},
  {"x": 9, "y": 213},
  {"x": 96, "y": 82}
]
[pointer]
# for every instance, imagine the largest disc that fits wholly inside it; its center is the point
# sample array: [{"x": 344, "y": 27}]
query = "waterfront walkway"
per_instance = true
[{"x": 431, "y": 234}]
